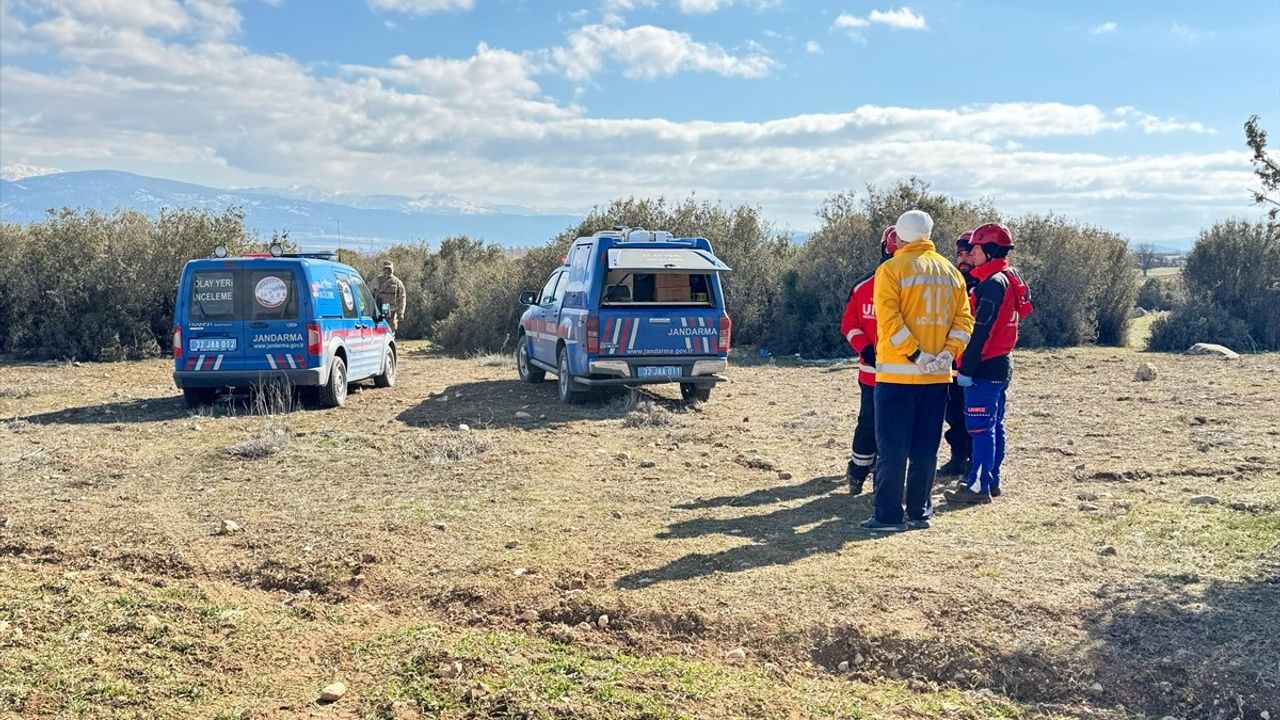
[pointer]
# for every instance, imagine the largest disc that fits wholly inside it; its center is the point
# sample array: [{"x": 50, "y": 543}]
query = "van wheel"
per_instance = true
[
  {"x": 335, "y": 393},
  {"x": 528, "y": 373},
  {"x": 388, "y": 376},
  {"x": 198, "y": 397},
  {"x": 569, "y": 393},
  {"x": 695, "y": 393}
]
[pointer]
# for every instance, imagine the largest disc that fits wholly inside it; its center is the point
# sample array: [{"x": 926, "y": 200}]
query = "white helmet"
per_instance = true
[{"x": 914, "y": 225}]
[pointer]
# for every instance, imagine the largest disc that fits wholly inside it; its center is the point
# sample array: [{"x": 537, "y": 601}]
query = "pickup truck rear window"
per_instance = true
[{"x": 624, "y": 287}]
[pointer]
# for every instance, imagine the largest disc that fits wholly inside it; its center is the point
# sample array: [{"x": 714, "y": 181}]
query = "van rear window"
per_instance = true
[
  {"x": 243, "y": 295},
  {"x": 213, "y": 295}
]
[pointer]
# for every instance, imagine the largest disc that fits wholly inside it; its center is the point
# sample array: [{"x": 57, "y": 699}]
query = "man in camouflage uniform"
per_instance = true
[{"x": 389, "y": 289}]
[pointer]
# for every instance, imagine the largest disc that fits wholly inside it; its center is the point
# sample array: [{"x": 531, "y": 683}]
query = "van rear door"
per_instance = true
[
  {"x": 213, "y": 332},
  {"x": 275, "y": 330},
  {"x": 661, "y": 301}
]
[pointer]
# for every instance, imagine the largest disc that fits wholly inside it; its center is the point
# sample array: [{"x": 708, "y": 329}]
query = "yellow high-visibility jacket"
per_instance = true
[{"x": 921, "y": 304}]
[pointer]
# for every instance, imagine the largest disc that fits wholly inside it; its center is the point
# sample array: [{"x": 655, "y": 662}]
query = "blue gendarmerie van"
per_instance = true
[
  {"x": 628, "y": 307},
  {"x": 268, "y": 317}
]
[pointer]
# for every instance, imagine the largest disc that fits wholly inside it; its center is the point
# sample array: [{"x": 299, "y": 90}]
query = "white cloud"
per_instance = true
[
  {"x": 482, "y": 127},
  {"x": 1105, "y": 28},
  {"x": 421, "y": 7},
  {"x": 901, "y": 18},
  {"x": 696, "y": 7},
  {"x": 1153, "y": 125},
  {"x": 848, "y": 22},
  {"x": 813, "y": 48},
  {"x": 19, "y": 171},
  {"x": 650, "y": 52}
]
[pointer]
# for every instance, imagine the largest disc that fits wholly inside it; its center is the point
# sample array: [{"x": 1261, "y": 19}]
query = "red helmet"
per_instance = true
[
  {"x": 889, "y": 235},
  {"x": 995, "y": 233},
  {"x": 965, "y": 240}
]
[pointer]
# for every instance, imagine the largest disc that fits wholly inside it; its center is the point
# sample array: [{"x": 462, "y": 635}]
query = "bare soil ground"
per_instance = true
[{"x": 441, "y": 572}]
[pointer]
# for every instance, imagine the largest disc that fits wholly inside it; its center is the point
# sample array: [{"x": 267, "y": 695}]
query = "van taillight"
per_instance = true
[
  {"x": 726, "y": 333},
  {"x": 177, "y": 342},
  {"x": 314, "y": 344},
  {"x": 591, "y": 328}
]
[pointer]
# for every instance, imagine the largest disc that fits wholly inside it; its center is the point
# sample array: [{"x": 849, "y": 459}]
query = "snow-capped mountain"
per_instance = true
[{"x": 314, "y": 218}]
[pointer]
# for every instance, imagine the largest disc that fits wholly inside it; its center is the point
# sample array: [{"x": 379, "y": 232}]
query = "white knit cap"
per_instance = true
[{"x": 914, "y": 225}]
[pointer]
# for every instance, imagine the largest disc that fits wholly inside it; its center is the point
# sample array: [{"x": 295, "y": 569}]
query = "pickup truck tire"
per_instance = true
[
  {"x": 695, "y": 393},
  {"x": 570, "y": 394},
  {"x": 198, "y": 397},
  {"x": 528, "y": 373},
  {"x": 334, "y": 394},
  {"x": 388, "y": 376}
]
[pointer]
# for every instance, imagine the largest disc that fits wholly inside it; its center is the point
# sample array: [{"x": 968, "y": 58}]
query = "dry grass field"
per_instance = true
[{"x": 655, "y": 561}]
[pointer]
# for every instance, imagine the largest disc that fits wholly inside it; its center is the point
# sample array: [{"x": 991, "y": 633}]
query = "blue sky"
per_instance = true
[{"x": 1127, "y": 115}]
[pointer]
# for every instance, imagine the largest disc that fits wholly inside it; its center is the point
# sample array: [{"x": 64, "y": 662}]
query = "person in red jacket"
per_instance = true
[
  {"x": 1000, "y": 301},
  {"x": 859, "y": 328},
  {"x": 957, "y": 434}
]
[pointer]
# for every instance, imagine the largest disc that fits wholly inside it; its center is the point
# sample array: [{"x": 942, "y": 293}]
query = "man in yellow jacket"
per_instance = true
[{"x": 923, "y": 322}]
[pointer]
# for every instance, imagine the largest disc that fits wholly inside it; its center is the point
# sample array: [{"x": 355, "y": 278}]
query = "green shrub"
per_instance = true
[
  {"x": 1235, "y": 267},
  {"x": 1160, "y": 294},
  {"x": 102, "y": 287},
  {"x": 1200, "y": 322}
]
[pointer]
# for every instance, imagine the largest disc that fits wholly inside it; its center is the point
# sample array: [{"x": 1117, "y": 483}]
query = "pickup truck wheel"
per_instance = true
[
  {"x": 198, "y": 397},
  {"x": 388, "y": 376},
  {"x": 528, "y": 373},
  {"x": 569, "y": 393},
  {"x": 335, "y": 393},
  {"x": 695, "y": 393}
]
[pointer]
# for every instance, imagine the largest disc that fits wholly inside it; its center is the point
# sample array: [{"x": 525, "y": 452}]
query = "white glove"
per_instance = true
[
  {"x": 926, "y": 361},
  {"x": 941, "y": 362}
]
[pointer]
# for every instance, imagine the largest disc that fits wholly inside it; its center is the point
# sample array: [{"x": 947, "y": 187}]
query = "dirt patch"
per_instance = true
[{"x": 712, "y": 530}]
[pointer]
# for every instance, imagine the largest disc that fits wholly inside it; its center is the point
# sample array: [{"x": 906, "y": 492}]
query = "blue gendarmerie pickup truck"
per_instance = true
[{"x": 628, "y": 307}]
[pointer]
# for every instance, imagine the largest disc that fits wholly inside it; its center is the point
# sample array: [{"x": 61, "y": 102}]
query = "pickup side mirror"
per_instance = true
[
  {"x": 385, "y": 309},
  {"x": 528, "y": 297}
]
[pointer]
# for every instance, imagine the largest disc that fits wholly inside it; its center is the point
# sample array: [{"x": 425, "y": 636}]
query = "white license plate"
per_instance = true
[
  {"x": 658, "y": 371},
  {"x": 213, "y": 345}
]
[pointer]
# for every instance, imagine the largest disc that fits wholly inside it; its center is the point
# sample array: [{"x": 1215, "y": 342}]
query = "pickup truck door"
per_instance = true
[{"x": 548, "y": 313}]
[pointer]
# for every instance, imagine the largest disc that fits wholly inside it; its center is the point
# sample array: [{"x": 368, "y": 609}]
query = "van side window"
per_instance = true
[
  {"x": 271, "y": 295},
  {"x": 367, "y": 307},
  {"x": 347, "y": 294}
]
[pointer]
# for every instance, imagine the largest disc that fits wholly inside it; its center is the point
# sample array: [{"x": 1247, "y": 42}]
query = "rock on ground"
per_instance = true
[
  {"x": 1212, "y": 349},
  {"x": 1146, "y": 373},
  {"x": 333, "y": 692}
]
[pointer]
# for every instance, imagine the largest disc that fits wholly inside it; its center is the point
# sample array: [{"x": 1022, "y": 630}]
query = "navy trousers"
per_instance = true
[{"x": 908, "y": 430}]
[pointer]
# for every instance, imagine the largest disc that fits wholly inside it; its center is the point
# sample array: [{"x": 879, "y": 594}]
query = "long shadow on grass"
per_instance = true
[
  {"x": 1206, "y": 649},
  {"x": 829, "y": 523},
  {"x": 130, "y": 411},
  {"x": 494, "y": 404}
]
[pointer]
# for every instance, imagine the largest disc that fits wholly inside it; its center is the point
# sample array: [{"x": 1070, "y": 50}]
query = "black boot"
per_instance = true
[
  {"x": 856, "y": 475},
  {"x": 955, "y": 466}
]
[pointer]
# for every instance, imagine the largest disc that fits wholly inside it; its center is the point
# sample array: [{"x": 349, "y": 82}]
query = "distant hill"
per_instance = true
[{"x": 314, "y": 219}]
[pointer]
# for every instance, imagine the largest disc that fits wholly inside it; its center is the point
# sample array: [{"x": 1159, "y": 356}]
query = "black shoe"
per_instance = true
[
  {"x": 955, "y": 466},
  {"x": 875, "y": 525},
  {"x": 856, "y": 476},
  {"x": 922, "y": 524},
  {"x": 995, "y": 491},
  {"x": 967, "y": 496}
]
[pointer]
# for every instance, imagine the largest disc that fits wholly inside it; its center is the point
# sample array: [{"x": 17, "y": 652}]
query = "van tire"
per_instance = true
[
  {"x": 525, "y": 369},
  {"x": 695, "y": 393},
  {"x": 569, "y": 394},
  {"x": 388, "y": 376},
  {"x": 334, "y": 394},
  {"x": 198, "y": 397}
]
